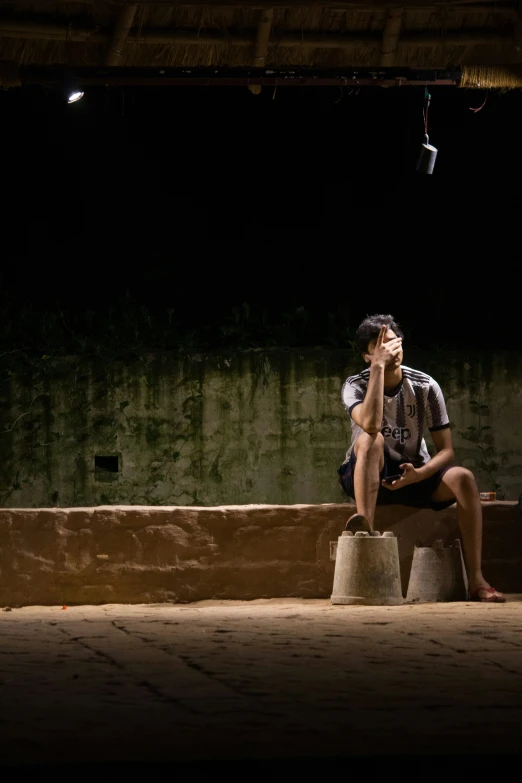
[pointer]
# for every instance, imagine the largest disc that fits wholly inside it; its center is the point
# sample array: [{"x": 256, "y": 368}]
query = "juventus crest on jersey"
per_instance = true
[{"x": 415, "y": 403}]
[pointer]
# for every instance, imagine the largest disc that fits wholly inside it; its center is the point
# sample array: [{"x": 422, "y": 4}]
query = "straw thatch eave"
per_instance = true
[
  {"x": 253, "y": 4},
  {"x": 313, "y": 34}
]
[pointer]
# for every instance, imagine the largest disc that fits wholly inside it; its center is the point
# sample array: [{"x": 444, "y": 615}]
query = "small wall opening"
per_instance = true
[{"x": 106, "y": 464}]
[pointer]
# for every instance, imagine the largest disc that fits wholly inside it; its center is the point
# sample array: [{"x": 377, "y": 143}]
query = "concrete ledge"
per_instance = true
[{"x": 150, "y": 554}]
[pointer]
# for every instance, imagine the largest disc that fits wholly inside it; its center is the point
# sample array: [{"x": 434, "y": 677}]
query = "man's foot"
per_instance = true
[
  {"x": 356, "y": 523},
  {"x": 487, "y": 595}
]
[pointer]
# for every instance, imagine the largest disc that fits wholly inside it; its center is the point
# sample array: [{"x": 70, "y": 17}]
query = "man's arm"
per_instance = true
[
  {"x": 438, "y": 425},
  {"x": 443, "y": 457},
  {"x": 368, "y": 415}
]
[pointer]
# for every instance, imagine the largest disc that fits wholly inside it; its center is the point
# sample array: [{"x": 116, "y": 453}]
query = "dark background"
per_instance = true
[
  {"x": 264, "y": 220},
  {"x": 303, "y": 204}
]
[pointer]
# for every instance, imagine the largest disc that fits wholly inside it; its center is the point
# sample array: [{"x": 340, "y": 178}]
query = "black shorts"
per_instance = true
[{"x": 416, "y": 495}]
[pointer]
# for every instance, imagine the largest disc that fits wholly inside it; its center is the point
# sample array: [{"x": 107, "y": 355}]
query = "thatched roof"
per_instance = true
[{"x": 419, "y": 34}]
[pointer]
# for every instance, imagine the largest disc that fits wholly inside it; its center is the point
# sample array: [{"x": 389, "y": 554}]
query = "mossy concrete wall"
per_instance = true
[{"x": 253, "y": 427}]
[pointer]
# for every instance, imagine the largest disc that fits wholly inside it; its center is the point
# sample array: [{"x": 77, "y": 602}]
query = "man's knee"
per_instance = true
[
  {"x": 461, "y": 479},
  {"x": 369, "y": 443}
]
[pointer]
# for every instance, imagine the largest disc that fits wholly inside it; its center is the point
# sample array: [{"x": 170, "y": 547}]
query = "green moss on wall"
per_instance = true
[{"x": 241, "y": 427}]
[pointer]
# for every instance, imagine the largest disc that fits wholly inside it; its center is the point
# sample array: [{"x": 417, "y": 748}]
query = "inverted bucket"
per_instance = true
[
  {"x": 367, "y": 570},
  {"x": 438, "y": 573}
]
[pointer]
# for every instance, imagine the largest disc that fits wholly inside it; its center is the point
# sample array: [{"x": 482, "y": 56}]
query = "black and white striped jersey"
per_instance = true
[{"x": 416, "y": 401}]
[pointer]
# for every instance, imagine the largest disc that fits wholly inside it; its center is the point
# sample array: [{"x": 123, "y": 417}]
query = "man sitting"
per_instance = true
[{"x": 388, "y": 461}]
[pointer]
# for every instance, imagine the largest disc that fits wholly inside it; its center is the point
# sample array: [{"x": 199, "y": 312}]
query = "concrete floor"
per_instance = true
[{"x": 288, "y": 685}]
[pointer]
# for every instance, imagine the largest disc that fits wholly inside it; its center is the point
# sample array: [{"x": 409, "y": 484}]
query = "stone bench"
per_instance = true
[{"x": 150, "y": 554}]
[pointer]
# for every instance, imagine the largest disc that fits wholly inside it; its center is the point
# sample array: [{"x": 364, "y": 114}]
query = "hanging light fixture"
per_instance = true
[{"x": 428, "y": 153}]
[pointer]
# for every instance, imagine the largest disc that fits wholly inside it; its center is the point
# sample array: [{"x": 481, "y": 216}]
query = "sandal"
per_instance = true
[
  {"x": 487, "y": 595},
  {"x": 356, "y": 523}
]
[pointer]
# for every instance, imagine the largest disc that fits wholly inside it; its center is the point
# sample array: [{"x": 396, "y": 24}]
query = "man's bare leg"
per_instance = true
[
  {"x": 369, "y": 450},
  {"x": 459, "y": 483}
]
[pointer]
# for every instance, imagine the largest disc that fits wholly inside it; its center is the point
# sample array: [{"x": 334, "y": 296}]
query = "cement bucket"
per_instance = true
[
  {"x": 367, "y": 570},
  {"x": 437, "y": 573}
]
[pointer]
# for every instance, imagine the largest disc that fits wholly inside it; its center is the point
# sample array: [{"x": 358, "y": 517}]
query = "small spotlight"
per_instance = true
[
  {"x": 70, "y": 88},
  {"x": 74, "y": 96},
  {"x": 427, "y": 157}
]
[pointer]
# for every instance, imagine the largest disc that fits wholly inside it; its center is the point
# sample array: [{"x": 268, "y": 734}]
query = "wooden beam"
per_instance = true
[
  {"x": 481, "y": 37},
  {"x": 213, "y": 75},
  {"x": 337, "y": 5},
  {"x": 121, "y": 32},
  {"x": 264, "y": 27},
  {"x": 390, "y": 36},
  {"x": 292, "y": 40},
  {"x": 10, "y": 28}
]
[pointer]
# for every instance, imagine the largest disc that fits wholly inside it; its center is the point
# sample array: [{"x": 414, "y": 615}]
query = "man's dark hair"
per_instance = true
[{"x": 369, "y": 329}]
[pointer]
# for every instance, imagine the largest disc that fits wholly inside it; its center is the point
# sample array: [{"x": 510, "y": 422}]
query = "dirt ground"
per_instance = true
[{"x": 289, "y": 684}]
